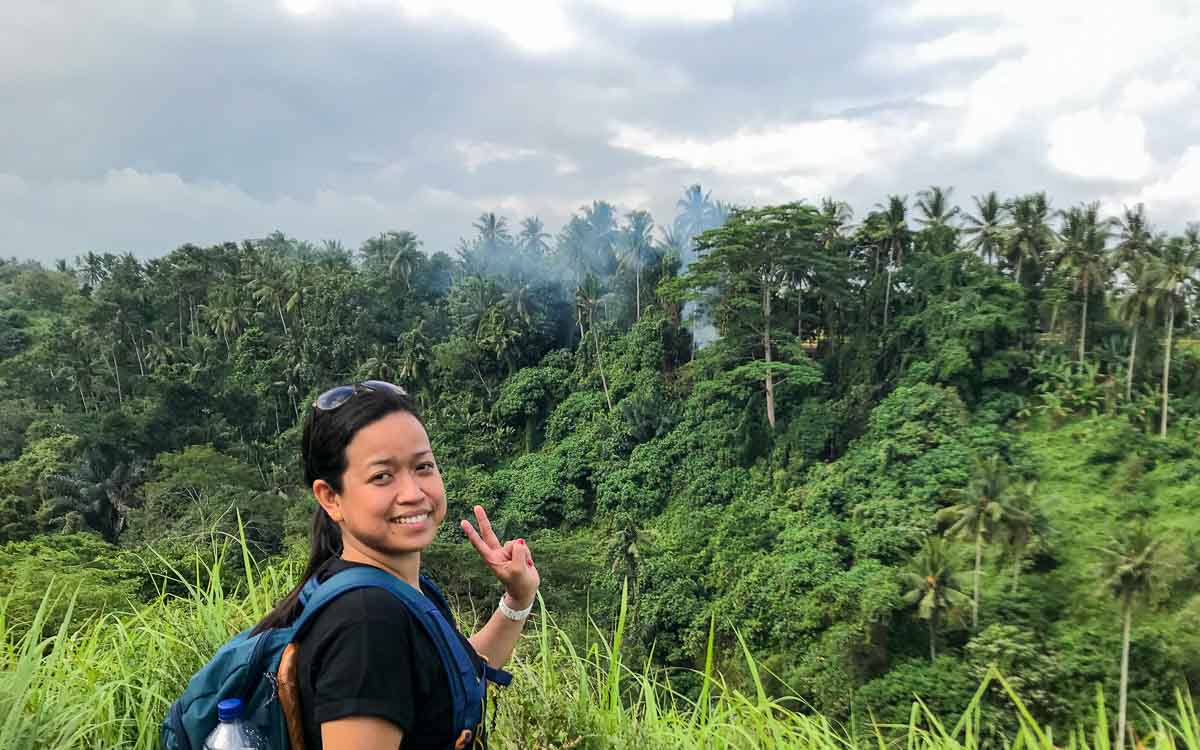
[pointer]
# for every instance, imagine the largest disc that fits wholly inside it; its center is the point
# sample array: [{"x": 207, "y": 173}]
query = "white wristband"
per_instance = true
[{"x": 516, "y": 615}]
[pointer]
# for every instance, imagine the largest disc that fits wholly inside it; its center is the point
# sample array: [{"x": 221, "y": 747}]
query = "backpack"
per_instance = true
[{"x": 248, "y": 667}]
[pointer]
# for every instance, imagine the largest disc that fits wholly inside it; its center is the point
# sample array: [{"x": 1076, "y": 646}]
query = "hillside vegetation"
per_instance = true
[{"x": 832, "y": 464}]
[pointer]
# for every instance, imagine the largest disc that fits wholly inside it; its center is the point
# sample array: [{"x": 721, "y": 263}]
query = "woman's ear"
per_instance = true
[{"x": 328, "y": 500}]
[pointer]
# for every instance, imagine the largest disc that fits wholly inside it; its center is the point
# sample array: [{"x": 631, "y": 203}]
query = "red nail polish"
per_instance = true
[
  {"x": 520, "y": 541},
  {"x": 529, "y": 563}
]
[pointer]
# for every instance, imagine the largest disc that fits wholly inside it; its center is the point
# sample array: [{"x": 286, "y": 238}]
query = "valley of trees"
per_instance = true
[{"x": 889, "y": 449}]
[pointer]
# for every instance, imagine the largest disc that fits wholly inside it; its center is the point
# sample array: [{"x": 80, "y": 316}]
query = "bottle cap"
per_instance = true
[{"x": 229, "y": 709}]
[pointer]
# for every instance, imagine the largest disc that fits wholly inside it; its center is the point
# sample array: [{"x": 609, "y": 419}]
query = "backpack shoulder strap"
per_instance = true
[{"x": 492, "y": 674}]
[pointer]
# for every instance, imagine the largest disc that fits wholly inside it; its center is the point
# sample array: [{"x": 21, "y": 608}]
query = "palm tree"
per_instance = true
[
  {"x": 695, "y": 213},
  {"x": 1021, "y": 525},
  {"x": 1136, "y": 306},
  {"x": 987, "y": 230},
  {"x": 406, "y": 257},
  {"x": 1134, "y": 564},
  {"x": 934, "y": 205},
  {"x": 894, "y": 237},
  {"x": 1031, "y": 237},
  {"x": 532, "y": 238},
  {"x": 983, "y": 509},
  {"x": 587, "y": 299},
  {"x": 1174, "y": 278},
  {"x": 930, "y": 584},
  {"x": 1084, "y": 256},
  {"x": 636, "y": 240},
  {"x": 1135, "y": 237},
  {"x": 493, "y": 232}
]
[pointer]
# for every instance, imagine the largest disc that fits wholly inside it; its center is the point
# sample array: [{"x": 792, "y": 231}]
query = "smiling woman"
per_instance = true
[{"x": 368, "y": 674}]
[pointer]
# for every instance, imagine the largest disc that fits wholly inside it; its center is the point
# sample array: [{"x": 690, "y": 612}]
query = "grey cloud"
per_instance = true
[{"x": 346, "y": 125}]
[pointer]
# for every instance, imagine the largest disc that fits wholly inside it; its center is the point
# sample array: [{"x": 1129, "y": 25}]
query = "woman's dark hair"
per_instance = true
[{"x": 323, "y": 454}]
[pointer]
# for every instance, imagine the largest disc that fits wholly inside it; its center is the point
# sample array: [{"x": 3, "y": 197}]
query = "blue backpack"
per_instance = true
[{"x": 247, "y": 666}]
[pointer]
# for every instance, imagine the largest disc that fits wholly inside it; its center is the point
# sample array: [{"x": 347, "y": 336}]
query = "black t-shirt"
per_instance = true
[{"x": 365, "y": 655}]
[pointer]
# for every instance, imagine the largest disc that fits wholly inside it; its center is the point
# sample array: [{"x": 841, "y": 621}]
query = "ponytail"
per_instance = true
[{"x": 326, "y": 544}]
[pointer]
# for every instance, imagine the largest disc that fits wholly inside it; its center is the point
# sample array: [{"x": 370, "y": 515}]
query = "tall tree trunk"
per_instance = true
[
  {"x": 1083, "y": 322},
  {"x": 1127, "y": 617},
  {"x": 799, "y": 313},
  {"x": 887, "y": 298},
  {"x": 1166, "y": 378},
  {"x": 933, "y": 636},
  {"x": 117, "y": 375},
  {"x": 1053, "y": 318},
  {"x": 1132, "y": 354},
  {"x": 1020, "y": 260},
  {"x": 599, "y": 361},
  {"x": 978, "y": 565},
  {"x": 279, "y": 308},
  {"x": 767, "y": 353},
  {"x": 638, "y": 286}
]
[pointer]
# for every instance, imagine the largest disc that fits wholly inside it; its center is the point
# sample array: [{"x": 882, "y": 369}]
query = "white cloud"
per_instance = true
[
  {"x": 477, "y": 153},
  {"x": 540, "y": 26},
  {"x": 1178, "y": 191},
  {"x": 836, "y": 146},
  {"x": 1142, "y": 95},
  {"x": 1074, "y": 52},
  {"x": 1091, "y": 144},
  {"x": 535, "y": 26}
]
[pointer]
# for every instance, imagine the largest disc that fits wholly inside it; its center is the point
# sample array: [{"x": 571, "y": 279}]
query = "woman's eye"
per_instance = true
[
  {"x": 425, "y": 467},
  {"x": 381, "y": 476}
]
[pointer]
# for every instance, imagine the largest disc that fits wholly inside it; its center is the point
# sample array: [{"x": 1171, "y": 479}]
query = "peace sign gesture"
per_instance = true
[{"x": 511, "y": 562}]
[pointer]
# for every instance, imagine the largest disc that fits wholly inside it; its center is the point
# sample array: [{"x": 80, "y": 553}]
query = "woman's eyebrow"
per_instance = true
[{"x": 392, "y": 460}]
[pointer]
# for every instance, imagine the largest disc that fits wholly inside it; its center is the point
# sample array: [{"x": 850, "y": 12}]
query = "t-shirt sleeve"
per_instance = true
[{"x": 366, "y": 669}]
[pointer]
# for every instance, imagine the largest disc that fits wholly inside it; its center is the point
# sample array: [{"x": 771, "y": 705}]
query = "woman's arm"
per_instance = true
[
  {"x": 360, "y": 733},
  {"x": 496, "y": 640},
  {"x": 512, "y": 564}
]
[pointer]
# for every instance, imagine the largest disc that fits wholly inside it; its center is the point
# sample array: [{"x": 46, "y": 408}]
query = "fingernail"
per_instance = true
[
  {"x": 520, "y": 541},
  {"x": 529, "y": 563}
]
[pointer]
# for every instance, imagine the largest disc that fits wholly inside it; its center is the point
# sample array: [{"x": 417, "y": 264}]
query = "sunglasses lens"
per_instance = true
[
  {"x": 384, "y": 385},
  {"x": 334, "y": 397}
]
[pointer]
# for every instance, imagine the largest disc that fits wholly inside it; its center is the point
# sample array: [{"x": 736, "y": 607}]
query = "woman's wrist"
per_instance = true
[{"x": 519, "y": 603}]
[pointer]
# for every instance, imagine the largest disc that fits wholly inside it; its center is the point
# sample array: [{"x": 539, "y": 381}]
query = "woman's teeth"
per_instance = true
[{"x": 411, "y": 520}]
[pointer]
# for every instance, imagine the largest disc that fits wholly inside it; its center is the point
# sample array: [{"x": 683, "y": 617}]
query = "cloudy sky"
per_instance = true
[{"x": 143, "y": 124}]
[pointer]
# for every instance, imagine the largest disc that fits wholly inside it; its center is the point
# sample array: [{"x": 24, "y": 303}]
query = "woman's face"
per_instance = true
[{"x": 392, "y": 499}]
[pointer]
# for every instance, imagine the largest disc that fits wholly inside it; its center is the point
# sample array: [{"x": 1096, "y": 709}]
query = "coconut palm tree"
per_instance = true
[
  {"x": 934, "y": 207},
  {"x": 1031, "y": 239},
  {"x": 636, "y": 239},
  {"x": 1133, "y": 565},
  {"x": 493, "y": 232},
  {"x": 981, "y": 511},
  {"x": 695, "y": 213},
  {"x": 587, "y": 298},
  {"x": 987, "y": 229},
  {"x": 1084, "y": 256},
  {"x": 930, "y": 583},
  {"x": 1175, "y": 278},
  {"x": 532, "y": 238},
  {"x": 1135, "y": 237},
  {"x": 894, "y": 238},
  {"x": 1137, "y": 306}
]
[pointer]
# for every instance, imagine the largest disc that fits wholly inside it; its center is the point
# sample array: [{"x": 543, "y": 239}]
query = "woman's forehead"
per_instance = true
[{"x": 399, "y": 435}]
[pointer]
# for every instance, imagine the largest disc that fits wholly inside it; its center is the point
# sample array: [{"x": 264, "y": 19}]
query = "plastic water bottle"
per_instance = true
[{"x": 232, "y": 733}]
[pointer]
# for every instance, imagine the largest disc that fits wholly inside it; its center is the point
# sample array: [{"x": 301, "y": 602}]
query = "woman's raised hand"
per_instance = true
[{"x": 511, "y": 562}]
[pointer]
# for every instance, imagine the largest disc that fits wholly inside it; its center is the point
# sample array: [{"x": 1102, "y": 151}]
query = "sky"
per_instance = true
[{"x": 141, "y": 125}]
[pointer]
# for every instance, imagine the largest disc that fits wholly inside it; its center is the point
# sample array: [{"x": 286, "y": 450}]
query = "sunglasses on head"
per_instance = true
[{"x": 335, "y": 397}]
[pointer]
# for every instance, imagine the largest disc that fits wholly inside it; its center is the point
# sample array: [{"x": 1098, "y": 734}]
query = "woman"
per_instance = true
[{"x": 370, "y": 677}]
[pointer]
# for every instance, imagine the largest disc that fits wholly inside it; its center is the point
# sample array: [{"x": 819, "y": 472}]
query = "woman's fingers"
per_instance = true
[
  {"x": 485, "y": 527},
  {"x": 480, "y": 546}
]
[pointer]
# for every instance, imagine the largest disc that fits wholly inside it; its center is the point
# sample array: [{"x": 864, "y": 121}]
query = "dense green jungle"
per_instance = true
[{"x": 846, "y": 461}]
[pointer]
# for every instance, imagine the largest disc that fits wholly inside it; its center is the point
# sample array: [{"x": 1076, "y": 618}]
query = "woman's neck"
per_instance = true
[{"x": 406, "y": 567}]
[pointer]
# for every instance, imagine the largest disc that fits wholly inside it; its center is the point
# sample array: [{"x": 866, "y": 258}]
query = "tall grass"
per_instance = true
[{"x": 106, "y": 682}]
